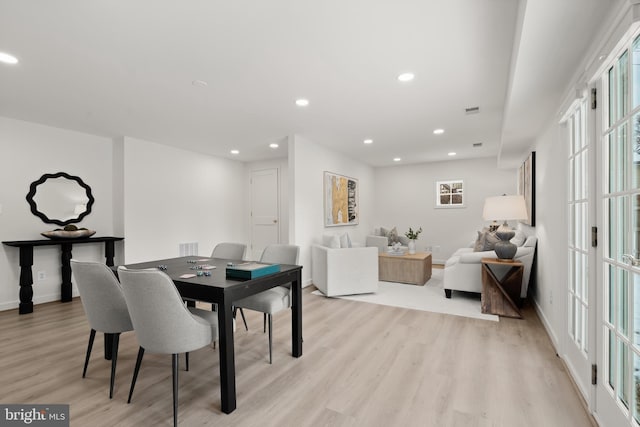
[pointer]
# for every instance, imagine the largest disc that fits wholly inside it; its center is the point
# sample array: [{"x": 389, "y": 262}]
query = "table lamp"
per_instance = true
[{"x": 505, "y": 208}]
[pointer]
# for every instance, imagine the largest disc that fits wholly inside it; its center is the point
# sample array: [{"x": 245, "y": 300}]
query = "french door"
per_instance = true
[
  {"x": 618, "y": 269},
  {"x": 580, "y": 345}
]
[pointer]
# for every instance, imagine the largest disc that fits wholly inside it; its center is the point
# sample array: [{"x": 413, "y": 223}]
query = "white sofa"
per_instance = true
[
  {"x": 462, "y": 271},
  {"x": 380, "y": 240},
  {"x": 344, "y": 271}
]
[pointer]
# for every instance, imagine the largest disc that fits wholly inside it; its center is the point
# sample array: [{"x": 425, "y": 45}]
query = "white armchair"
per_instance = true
[
  {"x": 463, "y": 270},
  {"x": 344, "y": 271}
]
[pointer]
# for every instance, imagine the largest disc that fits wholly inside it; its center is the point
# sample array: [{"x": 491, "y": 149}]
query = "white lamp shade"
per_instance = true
[{"x": 504, "y": 208}]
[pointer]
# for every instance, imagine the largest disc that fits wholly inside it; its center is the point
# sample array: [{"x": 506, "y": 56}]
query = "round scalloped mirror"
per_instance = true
[{"x": 60, "y": 198}]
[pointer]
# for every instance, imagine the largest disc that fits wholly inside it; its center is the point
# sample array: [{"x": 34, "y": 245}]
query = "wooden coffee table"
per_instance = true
[{"x": 413, "y": 269}]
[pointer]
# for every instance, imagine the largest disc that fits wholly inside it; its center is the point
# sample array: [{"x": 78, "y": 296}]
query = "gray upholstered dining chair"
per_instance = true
[
  {"x": 233, "y": 251},
  {"x": 275, "y": 299},
  {"x": 104, "y": 306},
  {"x": 227, "y": 250},
  {"x": 163, "y": 324}
]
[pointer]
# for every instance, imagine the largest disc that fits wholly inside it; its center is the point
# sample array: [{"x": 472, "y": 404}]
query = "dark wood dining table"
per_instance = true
[{"x": 223, "y": 291}]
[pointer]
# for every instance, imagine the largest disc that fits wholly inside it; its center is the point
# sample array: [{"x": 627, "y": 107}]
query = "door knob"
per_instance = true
[{"x": 631, "y": 260}]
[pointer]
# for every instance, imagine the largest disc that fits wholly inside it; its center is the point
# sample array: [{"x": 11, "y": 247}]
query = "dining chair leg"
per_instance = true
[
  {"x": 174, "y": 367},
  {"x": 186, "y": 360},
  {"x": 114, "y": 359},
  {"x": 135, "y": 372},
  {"x": 246, "y": 328},
  {"x": 92, "y": 336},
  {"x": 270, "y": 324},
  {"x": 264, "y": 322}
]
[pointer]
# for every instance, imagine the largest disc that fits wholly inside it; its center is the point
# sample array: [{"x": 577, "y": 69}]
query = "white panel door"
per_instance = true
[{"x": 265, "y": 215}]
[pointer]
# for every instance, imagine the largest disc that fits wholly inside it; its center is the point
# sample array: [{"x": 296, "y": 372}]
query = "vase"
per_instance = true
[{"x": 412, "y": 246}]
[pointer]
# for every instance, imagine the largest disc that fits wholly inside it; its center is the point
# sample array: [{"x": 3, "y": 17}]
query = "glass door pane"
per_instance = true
[
  {"x": 578, "y": 208},
  {"x": 620, "y": 260}
]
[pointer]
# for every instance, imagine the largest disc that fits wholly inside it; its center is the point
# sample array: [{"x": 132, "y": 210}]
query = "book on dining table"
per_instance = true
[{"x": 251, "y": 270}]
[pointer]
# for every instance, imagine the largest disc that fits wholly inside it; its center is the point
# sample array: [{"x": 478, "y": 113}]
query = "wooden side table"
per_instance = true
[
  {"x": 413, "y": 269},
  {"x": 499, "y": 295}
]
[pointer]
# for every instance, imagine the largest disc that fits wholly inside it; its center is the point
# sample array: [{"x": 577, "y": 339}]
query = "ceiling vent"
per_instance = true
[
  {"x": 472, "y": 110},
  {"x": 477, "y": 144}
]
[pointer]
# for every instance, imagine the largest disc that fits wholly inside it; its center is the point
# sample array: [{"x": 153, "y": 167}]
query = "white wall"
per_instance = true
[
  {"x": 310, "y": 160},
  {"x": 153, "y": 195},
  {"x": 30, "y": 150},
  {"x": 281, "y": 165},
  {"x": 551, "y": 228},
  {"x": 175, "y": 196},
  {"x": 405, "y": 196}
]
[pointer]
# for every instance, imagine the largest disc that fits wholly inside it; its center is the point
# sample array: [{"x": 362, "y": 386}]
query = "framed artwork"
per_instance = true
[
  {"x": 527, "y": 186},
  {"x": 450, "y": 194},
  {"x": 340, "y": 200}
]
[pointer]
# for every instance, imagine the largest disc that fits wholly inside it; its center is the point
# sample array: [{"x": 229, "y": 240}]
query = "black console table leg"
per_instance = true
[
  {"x": 65, "y": 286},
  {"x": 26, "y": 280},
  {"x": 109, "y": 251}
]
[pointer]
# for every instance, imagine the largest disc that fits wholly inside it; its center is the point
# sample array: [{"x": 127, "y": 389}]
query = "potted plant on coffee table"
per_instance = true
[{"x": 413, "y": 236}]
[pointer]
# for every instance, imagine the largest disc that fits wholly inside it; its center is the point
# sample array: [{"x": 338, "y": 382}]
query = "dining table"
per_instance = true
[{"x": 217, "y": 288}]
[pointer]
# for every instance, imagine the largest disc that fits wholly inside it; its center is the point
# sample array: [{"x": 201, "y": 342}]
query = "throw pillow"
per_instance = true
[
  {"x": 392, "y": 236},
  {"x": 490, "y": 240},
  {"x": 331, "y": 241},
  {"x": 519, "y": 238},
  {"x": 345, "y": 241},
  {"x": 479, "y": 243},
  {"x": 486, "y": 241}
]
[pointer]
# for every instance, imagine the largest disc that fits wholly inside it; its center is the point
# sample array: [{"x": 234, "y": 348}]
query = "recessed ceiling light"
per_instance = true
[
  {"x": 8, "y": 59},
  {"x": 302, "y": 102},
  {"x": 368, "y": 141},
  {"x": 406, "y": 77},
  {"x": 452, "y": 153},
  {"x": 397, "y": 159},
  {"x": 273, "y": 145},
  {"x": 200, "y": 83},
  {"x": 438, "y": 131},
  {"x": 235, "y": 152}
]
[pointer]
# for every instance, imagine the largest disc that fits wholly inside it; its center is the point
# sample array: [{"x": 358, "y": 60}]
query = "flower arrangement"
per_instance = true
[{"x": 413, "y": 235}]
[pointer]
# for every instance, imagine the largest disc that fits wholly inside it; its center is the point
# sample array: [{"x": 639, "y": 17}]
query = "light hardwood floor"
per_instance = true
[{"x": 363, "y": 365}]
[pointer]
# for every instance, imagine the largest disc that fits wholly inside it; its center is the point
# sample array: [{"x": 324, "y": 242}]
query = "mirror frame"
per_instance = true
[{"x": 42, "y": 215}]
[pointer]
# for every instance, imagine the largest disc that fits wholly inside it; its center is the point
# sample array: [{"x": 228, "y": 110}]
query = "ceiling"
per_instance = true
[{"x": 127, "y": 68}]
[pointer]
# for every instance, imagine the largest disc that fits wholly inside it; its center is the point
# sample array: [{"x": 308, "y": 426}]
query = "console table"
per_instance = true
[
  {"x": 26, "y": 261},
  {"x": 499, "y": 295}
]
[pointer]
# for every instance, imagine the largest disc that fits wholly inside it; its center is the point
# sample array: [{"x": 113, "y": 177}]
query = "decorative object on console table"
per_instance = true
[
  {"x": 498, "y": 295},
  {"x": 251, "y": 270},
  {"x": 412, "y": 236},
  {"x": 504, "y": 208},
  {"x": 69, "y": 232}
]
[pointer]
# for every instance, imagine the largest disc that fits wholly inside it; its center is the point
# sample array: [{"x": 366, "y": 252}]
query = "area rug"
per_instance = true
[{"x": 429, "y": 297}]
